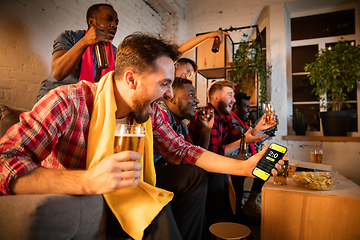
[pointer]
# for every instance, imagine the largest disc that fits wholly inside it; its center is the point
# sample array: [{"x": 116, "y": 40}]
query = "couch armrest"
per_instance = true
[{"x": 52, "y": 216}]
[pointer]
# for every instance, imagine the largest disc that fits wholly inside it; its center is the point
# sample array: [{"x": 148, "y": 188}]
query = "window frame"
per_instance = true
[{"x": 321, "y": 42}]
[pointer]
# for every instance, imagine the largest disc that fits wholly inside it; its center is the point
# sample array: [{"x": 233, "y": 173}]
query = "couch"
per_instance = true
[{"x": 53, "y": 216}]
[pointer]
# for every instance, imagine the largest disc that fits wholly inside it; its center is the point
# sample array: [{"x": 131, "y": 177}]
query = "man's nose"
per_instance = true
[
  {"x": 169, "y": 93},
  {"x": 197, "y": 100}
]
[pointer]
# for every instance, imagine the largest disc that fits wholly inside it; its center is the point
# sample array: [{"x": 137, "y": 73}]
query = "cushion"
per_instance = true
[
  {"x": 52, "y": 216},
  {"x": 8, "y": 117}
]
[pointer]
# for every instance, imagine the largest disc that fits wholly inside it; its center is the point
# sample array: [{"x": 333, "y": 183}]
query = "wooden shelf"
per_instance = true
[
  {"x": 213, "y": 72},
  {"x": 320, "y": 138}
]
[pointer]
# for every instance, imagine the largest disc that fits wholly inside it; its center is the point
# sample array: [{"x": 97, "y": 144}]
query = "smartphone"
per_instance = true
[{"x": 274, "y": 153}]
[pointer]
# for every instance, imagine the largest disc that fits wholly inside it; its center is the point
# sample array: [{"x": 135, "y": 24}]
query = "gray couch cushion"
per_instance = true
[
  {"x": 52, "y": 216},
  {"x": 8, "y": 117}
]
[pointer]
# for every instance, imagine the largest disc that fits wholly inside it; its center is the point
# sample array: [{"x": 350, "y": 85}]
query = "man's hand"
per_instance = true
[
  {"x": 95, "y": 35},
  {"x": 114, "y": 172},
  {"x": 220, "y": 34},
  {"x": 206, "y": 118},
  {"x": 254, "y": 139},
  {"x": 263, "y": 125},
  {"x": 253, "y": 161}
]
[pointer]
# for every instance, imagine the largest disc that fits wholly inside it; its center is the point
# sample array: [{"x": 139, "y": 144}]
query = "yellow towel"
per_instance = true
[
  {"x": 232, "y": 196},
  {"x": 134, "y": 207}
]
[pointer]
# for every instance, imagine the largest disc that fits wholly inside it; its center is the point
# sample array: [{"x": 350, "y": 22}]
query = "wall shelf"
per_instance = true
[
  {"x": 214, "y": 72},
  {"x": 320, "y": 138},
  {"x": 217, "y": 66}
]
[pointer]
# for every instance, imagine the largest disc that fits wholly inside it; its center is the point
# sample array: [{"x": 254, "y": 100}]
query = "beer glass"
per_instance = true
[
  {"x": 316, "y": 155},
  {"x": 268, "y": 110},
  {"x": 129, "y": 138},
  {"x": 281, "y": 177}
]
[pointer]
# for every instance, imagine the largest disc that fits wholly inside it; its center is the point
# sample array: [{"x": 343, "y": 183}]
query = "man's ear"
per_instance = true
[
  {"x": 235, "y": 107},
  {"x": 176, "y": 65},
  {"x": 216, "y": 97},
  {"x": 91, "y": 22},
  {"x": 130, "y": 79},
  {"x": 173, "y": 101}
]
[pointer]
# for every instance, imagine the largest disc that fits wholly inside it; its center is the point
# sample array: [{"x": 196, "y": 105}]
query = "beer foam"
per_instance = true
[{"x": 128, "y": 135}]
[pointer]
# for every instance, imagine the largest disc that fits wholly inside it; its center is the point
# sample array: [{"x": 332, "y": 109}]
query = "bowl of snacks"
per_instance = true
[{"x": 321, "y": 181}]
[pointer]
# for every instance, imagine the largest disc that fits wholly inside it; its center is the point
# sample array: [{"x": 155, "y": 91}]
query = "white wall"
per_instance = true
[
  {"x": 209, "y": 15},
  {"x": 29, "y": 27}
]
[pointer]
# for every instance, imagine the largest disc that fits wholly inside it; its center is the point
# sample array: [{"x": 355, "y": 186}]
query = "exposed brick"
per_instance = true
[{"x": 30, "y": 27}]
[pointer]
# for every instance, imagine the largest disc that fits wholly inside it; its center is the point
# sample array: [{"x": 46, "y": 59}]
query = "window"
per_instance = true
[
  {"x": 323, "y": 25},
  {"x": 309, "y": 35}
]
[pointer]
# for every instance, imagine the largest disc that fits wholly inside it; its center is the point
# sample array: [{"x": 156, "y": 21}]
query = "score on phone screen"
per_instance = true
[{"x": 274, "y": 153}]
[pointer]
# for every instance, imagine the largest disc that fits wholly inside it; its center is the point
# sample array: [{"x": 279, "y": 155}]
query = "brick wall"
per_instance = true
[{"x": 29, "y": 27}]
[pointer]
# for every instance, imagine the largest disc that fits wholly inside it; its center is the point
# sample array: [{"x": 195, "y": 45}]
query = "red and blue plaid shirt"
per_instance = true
[
  {"x": 54, "y": 135},
  {"x": 222, "y": 130}
]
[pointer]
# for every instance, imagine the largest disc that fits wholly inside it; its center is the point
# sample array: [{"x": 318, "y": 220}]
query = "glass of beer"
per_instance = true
[
  {"x": 129, "y": 138},
  {"x": 316, "y": 155},
  {"x": 280, "y": 178},
  {"x": 268, "y": 110}
]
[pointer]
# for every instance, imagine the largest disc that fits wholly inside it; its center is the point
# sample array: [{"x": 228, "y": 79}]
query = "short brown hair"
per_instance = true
[
  {"x": 139, "y": 51},
  {"x": 219, "y": 85}
]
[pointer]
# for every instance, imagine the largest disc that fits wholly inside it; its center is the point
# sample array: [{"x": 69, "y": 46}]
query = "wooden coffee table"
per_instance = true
[{"x": 292, "y": 212}]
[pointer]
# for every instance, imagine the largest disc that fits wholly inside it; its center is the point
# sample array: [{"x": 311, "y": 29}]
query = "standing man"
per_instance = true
[
  {"x": 73, "y": 56},
  {"x": 72, "y": 128}
]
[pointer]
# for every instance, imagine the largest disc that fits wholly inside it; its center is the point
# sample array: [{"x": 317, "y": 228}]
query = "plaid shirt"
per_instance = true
[
  {"x": 54, "y": 135},
  {"x": 222, "y": 130}
]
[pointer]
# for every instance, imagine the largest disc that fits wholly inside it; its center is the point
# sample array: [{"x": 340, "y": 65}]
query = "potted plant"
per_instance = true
[
  {"x": 335, "y": 72},
  {"x": 248, "y": 60},
  {"x": 299, "y": 123}
]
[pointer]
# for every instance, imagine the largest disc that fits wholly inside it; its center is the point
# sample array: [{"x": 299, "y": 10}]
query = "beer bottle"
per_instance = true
[
  {"x": 216, "y": 44},
  {"x": 243, "y": 154},
  {"x": 101, "y": 55}
]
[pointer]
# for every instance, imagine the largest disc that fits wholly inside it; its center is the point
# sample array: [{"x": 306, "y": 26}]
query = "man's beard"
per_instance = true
[
  {"x": 223, "y": 108},
  {"x": 140, "y": 105}
]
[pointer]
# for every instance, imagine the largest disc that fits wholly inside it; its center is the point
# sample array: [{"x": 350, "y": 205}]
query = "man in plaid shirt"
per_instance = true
[
  {"x": 53, "y": 137},
  {"x": 221, "y": 95},
  {"x": 221, "y": 101}
]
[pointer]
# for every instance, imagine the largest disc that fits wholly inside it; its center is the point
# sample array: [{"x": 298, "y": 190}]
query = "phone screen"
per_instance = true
[{"x": 274, "y": 153}]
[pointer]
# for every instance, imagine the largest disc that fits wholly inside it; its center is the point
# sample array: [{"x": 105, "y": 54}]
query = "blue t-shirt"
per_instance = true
[{"x": 65, "y": 41}]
